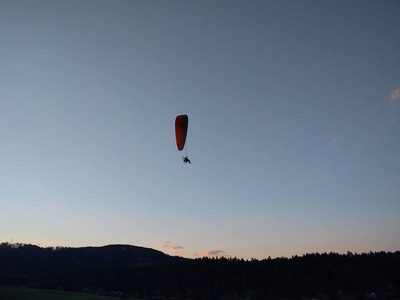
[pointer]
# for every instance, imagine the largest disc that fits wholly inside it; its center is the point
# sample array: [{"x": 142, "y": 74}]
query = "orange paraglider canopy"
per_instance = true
[{"x": 181, "y": 126}]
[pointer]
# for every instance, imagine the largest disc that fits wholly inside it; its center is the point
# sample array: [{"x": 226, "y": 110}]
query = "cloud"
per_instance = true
[
  {"x": 212, "y": 253},
  {"x": 393, "y": 121},
  {"x": 164, "y": 245},
  {"x": 176, "y": 250},
  {"x": 395, "y": 95}
]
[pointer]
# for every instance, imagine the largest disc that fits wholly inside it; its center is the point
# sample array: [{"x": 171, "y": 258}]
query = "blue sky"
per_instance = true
[{"x": 294, "y": 125}]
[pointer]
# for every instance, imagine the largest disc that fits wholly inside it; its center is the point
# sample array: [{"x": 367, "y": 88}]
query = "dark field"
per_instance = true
[{"x": 21, "y": 293}]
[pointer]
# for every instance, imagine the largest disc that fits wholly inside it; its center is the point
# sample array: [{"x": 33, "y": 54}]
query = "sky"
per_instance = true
[{"x": 294, "y": 125}]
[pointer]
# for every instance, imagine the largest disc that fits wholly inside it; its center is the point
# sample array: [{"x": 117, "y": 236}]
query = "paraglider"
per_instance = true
[{"x": 181, "y": 126}]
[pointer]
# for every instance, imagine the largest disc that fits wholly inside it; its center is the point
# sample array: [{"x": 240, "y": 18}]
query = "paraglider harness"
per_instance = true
[{"x": 186, "y": 159}]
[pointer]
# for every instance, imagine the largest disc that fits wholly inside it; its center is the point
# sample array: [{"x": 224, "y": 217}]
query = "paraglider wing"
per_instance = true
[{"x": 181, "y": 126}]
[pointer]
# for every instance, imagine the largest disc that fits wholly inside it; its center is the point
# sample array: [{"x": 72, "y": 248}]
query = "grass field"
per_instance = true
[{"x": 20, "y": 293}]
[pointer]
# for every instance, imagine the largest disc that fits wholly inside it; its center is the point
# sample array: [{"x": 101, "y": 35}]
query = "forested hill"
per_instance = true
[
  {"x": 149, "y": 274},
  {"x": 115, "y": 256}
]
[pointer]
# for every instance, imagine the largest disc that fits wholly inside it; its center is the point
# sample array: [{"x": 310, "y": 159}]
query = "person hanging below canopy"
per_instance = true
[{"x": 186, "y": 160}]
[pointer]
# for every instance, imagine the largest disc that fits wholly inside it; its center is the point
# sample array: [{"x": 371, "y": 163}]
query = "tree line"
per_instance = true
[{"x": 150, "y": 274}]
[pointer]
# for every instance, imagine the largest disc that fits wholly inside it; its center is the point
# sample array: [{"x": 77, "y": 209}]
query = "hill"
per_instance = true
[
  {"x": 150, "y": 274},
  {"x": 124, "y": 256}
]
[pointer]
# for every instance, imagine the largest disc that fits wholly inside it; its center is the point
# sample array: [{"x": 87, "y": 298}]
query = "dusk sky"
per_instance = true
[{"x": 294, "y": 125}]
